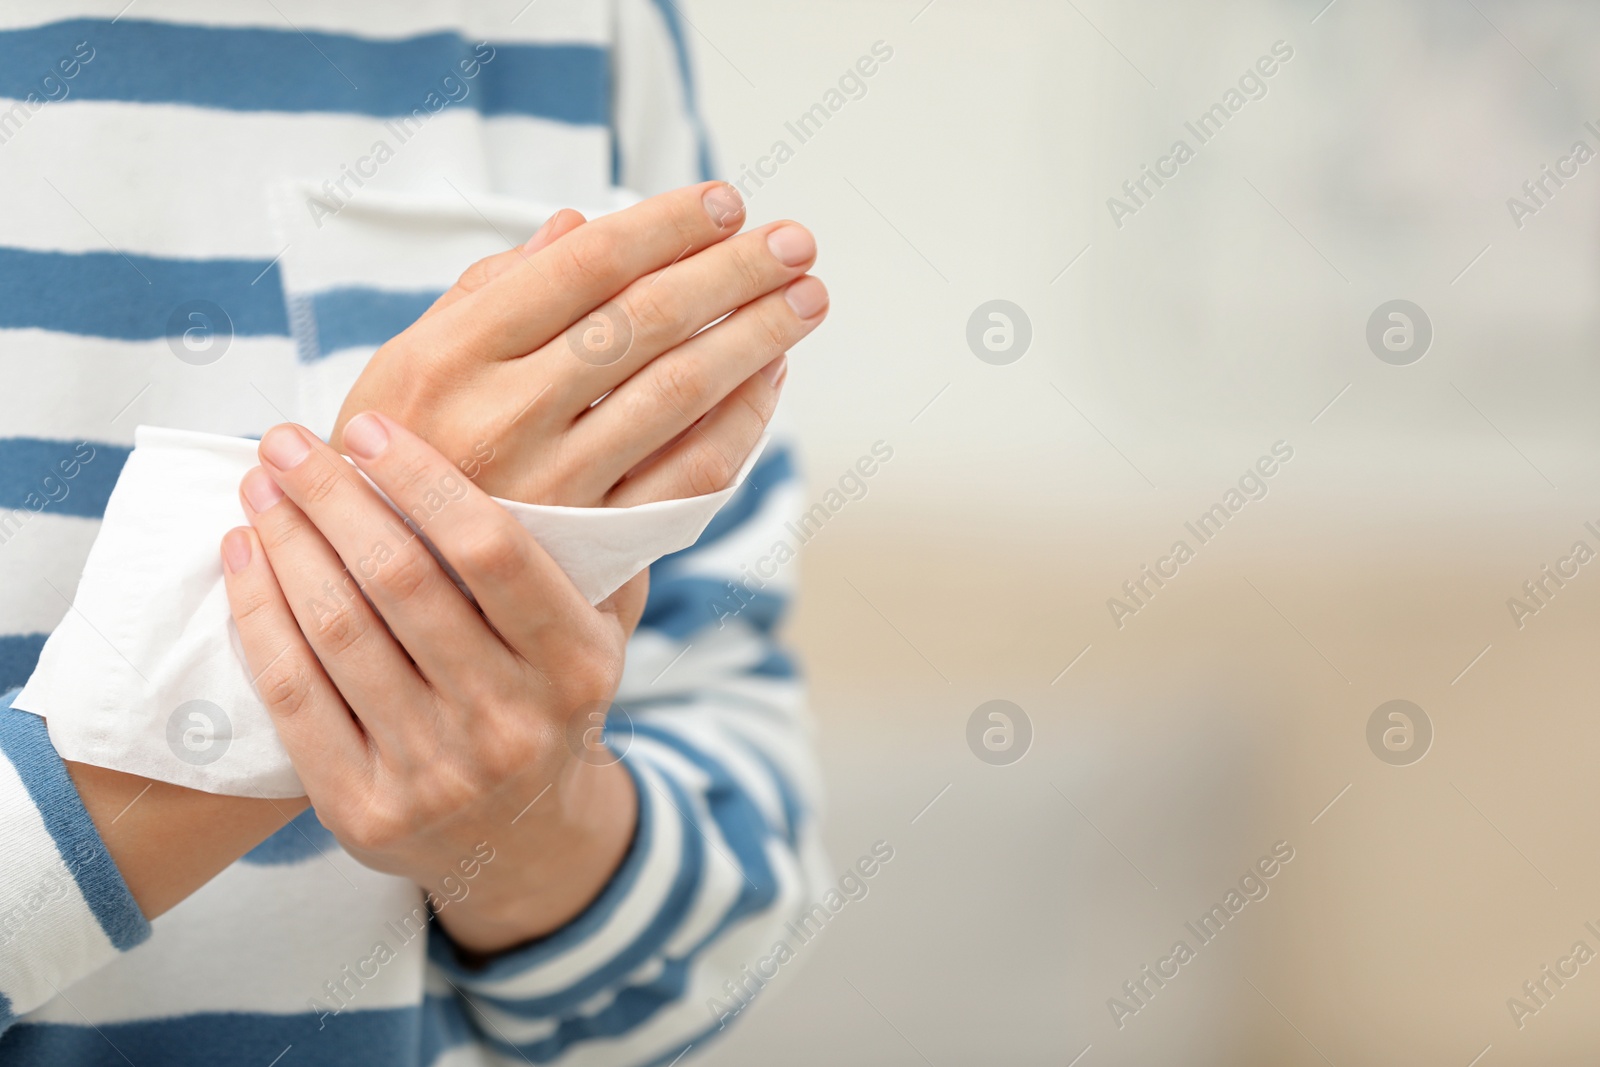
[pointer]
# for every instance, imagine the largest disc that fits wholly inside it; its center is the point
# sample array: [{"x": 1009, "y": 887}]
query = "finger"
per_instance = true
[
  {"x": 673, "y": 392},
  {"x": 526, "y": 306},
  {"x": 520, "y": 589},
  {"x": 324, "y": 742},
  {"x": 489, "y": 268},
  {"x": 412, "y": 593},
  {"x": 706, "y": 458},
  {"x": 663, "y": 309},
  {"x": 472, "y": 279},
  {"x": 358, "y": 653}
]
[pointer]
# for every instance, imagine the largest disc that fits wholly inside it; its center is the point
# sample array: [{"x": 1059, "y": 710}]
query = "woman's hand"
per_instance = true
[
  {"x": 425, "y": 731},
  {"x": 503, "y": 373}
]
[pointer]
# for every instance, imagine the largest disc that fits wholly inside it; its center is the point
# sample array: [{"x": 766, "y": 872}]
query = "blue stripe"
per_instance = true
[
  {"x": 133, "y": 297},
  {"x": 669, "y": 15},
  {"x": 363, "y": 318},
  {"x": 373, "y": 1036},
  {"x": 680, "y": 606},
  {"x": 285, "y": 69},
  {"x": 19, "y": 654},
  {"x": 26, "y": 744},
  {"x": 446, "y": 1024},
  {"x": 737, "y": 817},
  {"x": 302, "y": 838},
  {"x": 777, "y": 664},
  {"x": 771, "y": 470},
  {"x": 65, "y": 477},
  {"x": 5, "y": 1013}
]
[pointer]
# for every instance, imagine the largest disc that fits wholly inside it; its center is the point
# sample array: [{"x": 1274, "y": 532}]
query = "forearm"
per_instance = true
[{"x": 169, "y": 841}]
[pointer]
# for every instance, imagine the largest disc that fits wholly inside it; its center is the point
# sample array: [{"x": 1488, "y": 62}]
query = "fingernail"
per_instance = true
[
  {"x": 793, "y": 245},
  {"x": 534, "y": 240},
  {"x": 723, "y": 203},
  {"x": 807, "y": 297},
  {"x": 284, "y": 447},
  {"x": 260, "y": 490},
  {"x": 776, "y": 371},
  {"x": 366, "y": 436},
  {"x": 236, "y": 549}
]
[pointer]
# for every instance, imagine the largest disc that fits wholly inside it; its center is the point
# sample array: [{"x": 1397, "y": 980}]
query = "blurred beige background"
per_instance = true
[{"x": 1228, "y": 313}]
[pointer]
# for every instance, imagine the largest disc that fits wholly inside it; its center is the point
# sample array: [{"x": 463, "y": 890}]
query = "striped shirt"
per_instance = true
[{"x": 139, "y": 144}]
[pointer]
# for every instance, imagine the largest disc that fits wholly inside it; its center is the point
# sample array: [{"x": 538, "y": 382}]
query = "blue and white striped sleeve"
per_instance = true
[
  {"x": 726, "y": 853},
  {"x": 64, "y": 909}
]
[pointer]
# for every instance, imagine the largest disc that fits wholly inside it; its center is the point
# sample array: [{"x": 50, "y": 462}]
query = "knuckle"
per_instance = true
[
  {"x": 407, "y": 575},
  {"x": 682, "y": 386},
  {"x": 706, "y": 470},
  {"x": 248, "y": 605},
  {"x": 285, "y": 686},
  {"x": 598, "y": 663},
  {"x": 338, "y": 631},
  {"x": 751, "y": 263},
  {"x": 375, "y": 829},
  {"x": 476, "y": 276},
  {"x": 319, "y": 482},
  {"x": 655, "y": 313},
  {"x": 588, "y": 263},
  {"x": 754, "y": 409},
  {"x": 411, "y": 474},
  {"x": 774, "y": 325},
  {"x": 516, "y": 749},
  {"x": 688, "y": 219},
  {"x": 283, "y": 531},
  {"x": 496, "y": 555},
  {"x": 417, "y": 477}
]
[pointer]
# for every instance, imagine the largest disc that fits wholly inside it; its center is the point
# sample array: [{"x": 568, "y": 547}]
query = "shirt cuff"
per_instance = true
[
  {"x": 64, "y": 907},
  {"x": 624, "y": 928}
]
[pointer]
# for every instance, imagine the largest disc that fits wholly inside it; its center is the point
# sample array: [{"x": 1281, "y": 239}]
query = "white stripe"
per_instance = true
[
  {"x": 156, "y": 148},
  {"x": 79, "y": 388},
  {"x": 715, "y": 657},
  {"x": 751, "y": 548},
  {"x": 41, "y": 559},
  {"x": 573, "y": 21},
  {"x": 325, "y": 383}
]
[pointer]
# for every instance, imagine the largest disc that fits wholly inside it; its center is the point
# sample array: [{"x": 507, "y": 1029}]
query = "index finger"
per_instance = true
[
  {"x": 537, "y": 298},
  {"x": 523, "y": 593}
]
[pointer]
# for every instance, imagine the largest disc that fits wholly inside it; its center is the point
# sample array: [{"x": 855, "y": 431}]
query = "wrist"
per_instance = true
[{"x": 551, "y": 859}]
